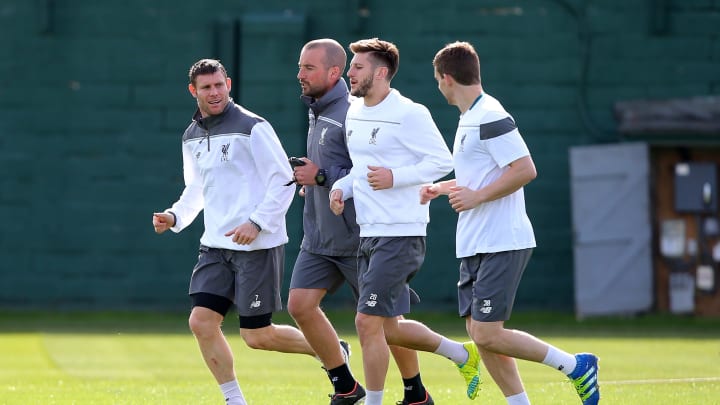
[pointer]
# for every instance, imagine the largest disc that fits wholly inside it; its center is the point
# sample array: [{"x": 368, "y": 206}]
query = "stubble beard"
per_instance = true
[{"x": 363, "y": 87}]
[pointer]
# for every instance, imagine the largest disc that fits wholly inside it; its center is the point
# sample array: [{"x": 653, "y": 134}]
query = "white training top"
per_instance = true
[
  {"x": 486, "y": 141},
  {"x": 236, "y": 173},
  {"x": 400, "y": 135}
]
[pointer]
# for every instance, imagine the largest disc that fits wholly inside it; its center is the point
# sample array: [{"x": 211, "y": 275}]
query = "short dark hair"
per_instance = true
[
  {"x": 460, "y": 61},
  {"x": 383, "y": 53},
  {"x": 205, "y": 67}
]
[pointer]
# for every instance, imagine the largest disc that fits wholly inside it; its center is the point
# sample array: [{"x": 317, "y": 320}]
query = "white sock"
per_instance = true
[
  {"x": 518, "y": 399},
  {"x": 373, "y": 397},
  {"x": 233, "y": 394},
  {"x": 560, "y": 360},
  {"x": 453, "y": 350}
]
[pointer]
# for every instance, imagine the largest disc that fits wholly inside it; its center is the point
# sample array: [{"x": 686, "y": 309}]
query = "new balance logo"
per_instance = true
[
  {"x": 486, "y": 307},
  {"x": 372, "y": 301}
]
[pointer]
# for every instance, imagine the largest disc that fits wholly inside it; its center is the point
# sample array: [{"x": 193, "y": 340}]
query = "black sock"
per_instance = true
[
  {"x": 414, "y": 389},
  {"x": 342, "y": 379}
]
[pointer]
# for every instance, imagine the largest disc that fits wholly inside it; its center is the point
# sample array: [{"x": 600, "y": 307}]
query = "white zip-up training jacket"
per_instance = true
[{"x": 235, "y": 169}]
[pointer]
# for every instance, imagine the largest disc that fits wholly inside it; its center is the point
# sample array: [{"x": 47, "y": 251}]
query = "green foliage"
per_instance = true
[{"x": 122, "y": 358}]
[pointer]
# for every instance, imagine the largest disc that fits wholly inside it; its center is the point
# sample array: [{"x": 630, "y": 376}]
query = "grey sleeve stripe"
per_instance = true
[{"x": 496, "y": 128}]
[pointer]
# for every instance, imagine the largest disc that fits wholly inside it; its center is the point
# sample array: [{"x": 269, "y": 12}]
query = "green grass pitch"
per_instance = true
[{"x": 119, "y": 358}]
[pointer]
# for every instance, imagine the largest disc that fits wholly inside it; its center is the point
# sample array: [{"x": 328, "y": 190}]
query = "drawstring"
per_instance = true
[{"x": 207, "y": 135}]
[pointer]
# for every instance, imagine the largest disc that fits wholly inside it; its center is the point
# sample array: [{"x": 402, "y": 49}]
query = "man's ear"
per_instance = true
[
  {"x": 192, "y": 90},
  {"x": 335, "y": 72},
  {"x": 229, "y": 84},
  {"x": 382, "y": 72}
]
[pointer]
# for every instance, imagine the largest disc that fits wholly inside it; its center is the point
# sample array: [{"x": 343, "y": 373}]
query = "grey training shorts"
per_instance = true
[
  {"x": 316, "y": 271},
  {"x": 488, "y": 284},
  {"x": 252, "y": 279},
  {"x": 385, "y": 267}
]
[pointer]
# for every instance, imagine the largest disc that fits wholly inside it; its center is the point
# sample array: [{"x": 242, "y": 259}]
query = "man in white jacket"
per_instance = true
[
  {"x": 235, "y": 169},
  {"x": 395, "y": 148}
]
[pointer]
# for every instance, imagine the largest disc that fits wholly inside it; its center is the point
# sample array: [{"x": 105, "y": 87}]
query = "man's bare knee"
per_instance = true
[
  {"x": 255, "y": 339},
  {"x": 202, "y": 325}
]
